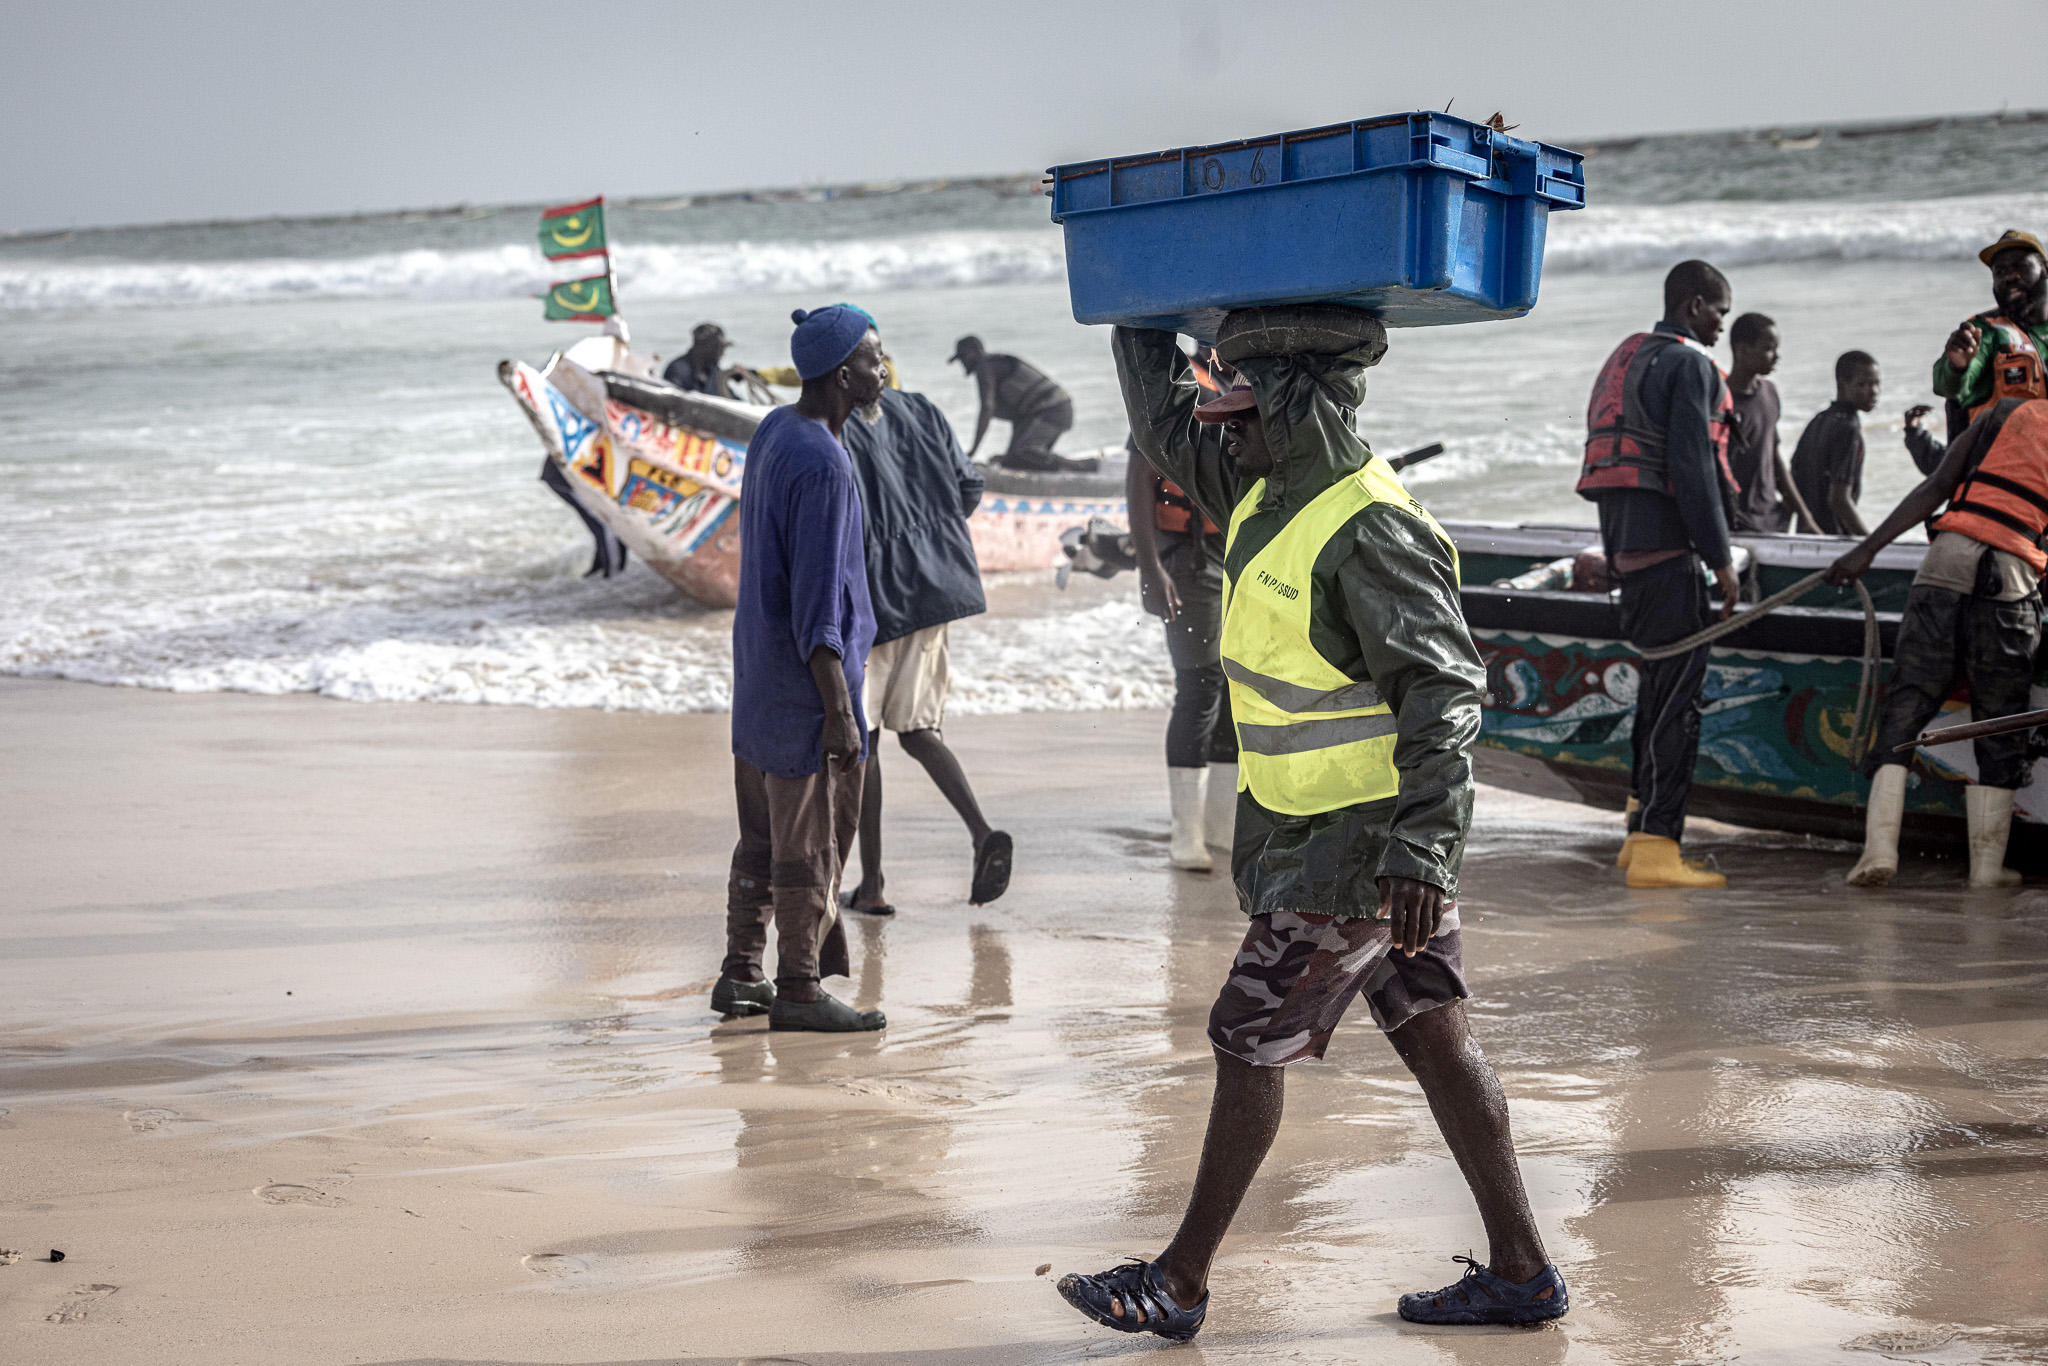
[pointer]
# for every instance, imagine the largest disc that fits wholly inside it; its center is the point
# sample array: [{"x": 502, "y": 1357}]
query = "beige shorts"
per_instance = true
[{"x": 907, "y": 681}]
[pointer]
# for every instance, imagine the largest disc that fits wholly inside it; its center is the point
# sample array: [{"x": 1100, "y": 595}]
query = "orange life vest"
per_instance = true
[
  {"x": 2003, "y": 498},
  {"x": 1623, "y": 451},
  {"x": 1173, "y": 510},
  {"x": 2015, "y": 361}
]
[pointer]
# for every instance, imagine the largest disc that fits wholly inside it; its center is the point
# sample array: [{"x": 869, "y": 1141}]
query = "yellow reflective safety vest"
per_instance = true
[{"x": 1310, "y": 738}]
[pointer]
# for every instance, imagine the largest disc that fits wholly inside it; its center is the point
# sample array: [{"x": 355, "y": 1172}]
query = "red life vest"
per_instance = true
[
  {"x": 1623, "y": 451},
  {"x": 2015, "y": 361},
  {"x": 2003, "y": 498}
]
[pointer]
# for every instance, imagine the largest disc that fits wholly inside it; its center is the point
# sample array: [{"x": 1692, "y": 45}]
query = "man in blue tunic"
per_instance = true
[{"x": 800, "y": 636}]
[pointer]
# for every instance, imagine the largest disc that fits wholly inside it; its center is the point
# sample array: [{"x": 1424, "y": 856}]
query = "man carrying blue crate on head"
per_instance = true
[{"x": 1356, "y": 689}]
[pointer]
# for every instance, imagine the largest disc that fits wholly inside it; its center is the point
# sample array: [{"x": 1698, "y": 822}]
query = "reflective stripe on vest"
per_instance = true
[
  {"x": 2015, "y": 362},
  {"x": 2002, "y": 500},
  {"x": 1310, "y": 737}
]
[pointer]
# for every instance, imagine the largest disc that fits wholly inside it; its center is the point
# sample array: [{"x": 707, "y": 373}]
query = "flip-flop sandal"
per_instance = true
[
  {"x": 846, "y": 900},
  {"x": 1479, "y": 1296},
  {"x": 991, "y": 868},
  {"x": 1136, "y": 1286}
]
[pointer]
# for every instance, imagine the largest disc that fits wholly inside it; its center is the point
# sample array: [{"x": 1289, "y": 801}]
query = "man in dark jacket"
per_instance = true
[
  {"x": 1656, "y": 540},
  {"x": 917, "y": 491},
  {"x": 700, "y": 369},
  {"x": 1355, "y": 688}
]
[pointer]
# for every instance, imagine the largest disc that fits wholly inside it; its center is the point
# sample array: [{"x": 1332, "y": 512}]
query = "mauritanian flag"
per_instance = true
[
  {"x": 573, "y": 230},
  {"x": 580, "y": 301}
]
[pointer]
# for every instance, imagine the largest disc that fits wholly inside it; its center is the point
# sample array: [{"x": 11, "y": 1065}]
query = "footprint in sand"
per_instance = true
[
  {"x": 555, "y": 1263},
  {"x": 151, "y": 1120},
  {"x": 84, "y": 1299},
  {"x": 284, "y": 1193}
]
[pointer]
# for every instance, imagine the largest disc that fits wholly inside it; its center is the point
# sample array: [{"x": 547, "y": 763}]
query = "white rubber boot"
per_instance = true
[
  {"x": 1880, "y": 861},
  {"x": 1189, "y": 789},
  {"x": 1219, "y": 810},
  {"x": 1990, "y": 813}
]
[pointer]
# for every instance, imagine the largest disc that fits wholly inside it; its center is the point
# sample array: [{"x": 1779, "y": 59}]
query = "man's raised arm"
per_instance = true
[
  {"x": 1160, "y": 396},
  {"x": 1915, "y": 508}
]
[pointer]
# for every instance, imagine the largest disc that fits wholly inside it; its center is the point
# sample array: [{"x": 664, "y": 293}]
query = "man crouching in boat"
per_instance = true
[
  {"x": 1356, "y": 691},
  {"x": 1974, "y": 611},
  {"x": 801, "y": 632}
]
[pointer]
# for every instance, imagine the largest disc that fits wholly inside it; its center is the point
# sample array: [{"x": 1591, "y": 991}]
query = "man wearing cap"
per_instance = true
[
  {"x": 1997, "y": 354},
  {"x": 698, "y": 369},
  {"x": 1037, "y": 409},
  {"x": 801, "y": 633},
  {"x": 1355, "y": 689}
]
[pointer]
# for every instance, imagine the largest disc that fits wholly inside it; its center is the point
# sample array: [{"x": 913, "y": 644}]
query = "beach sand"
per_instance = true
[{"x": 378, "y": 1033}]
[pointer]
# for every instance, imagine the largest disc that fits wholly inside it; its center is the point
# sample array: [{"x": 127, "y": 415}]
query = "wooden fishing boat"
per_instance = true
[
  {"x": 1780, "y": 702},
  {"x": 661, "y": 469}
]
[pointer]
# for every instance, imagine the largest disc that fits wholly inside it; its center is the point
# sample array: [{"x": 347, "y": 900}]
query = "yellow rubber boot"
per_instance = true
[
  {"x": 1654, "y": 862},
  {"x": 1628, "y": 840}
]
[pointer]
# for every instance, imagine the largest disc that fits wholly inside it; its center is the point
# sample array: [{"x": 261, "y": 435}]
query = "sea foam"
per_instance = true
[{"x": 1625, "y": 237}]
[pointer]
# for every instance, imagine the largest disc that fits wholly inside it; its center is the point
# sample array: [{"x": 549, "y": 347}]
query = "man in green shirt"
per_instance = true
[{"x": 1997, "y": 354}]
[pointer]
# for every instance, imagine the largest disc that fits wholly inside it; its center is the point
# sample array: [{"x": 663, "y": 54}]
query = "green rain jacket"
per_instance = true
[
  {"x": 1971, "y": 385},
  {"x": 1383, "y": 608}
]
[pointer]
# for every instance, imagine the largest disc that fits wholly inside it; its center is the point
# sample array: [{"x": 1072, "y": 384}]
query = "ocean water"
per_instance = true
[{"x": 275, "y": 457}]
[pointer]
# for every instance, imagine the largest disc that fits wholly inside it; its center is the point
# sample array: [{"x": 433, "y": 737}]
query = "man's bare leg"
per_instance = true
[
  {"x": 869, "y": 893},
  {"x": 928, "y": 747},
  {"x": 1472, "y": 1114},
  {"x": 1243, "y": 1117}
]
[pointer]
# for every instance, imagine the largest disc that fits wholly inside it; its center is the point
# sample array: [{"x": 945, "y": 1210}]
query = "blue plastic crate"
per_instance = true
[{"x": 1422, "y": 219}]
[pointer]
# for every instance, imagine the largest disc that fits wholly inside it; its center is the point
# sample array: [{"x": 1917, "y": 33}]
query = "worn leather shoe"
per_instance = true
[
  {"x": 734, "y": 997},
  {"x": 826, "y": 1015}
]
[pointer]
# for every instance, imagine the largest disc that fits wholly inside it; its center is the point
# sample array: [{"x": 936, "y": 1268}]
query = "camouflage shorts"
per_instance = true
[{"x": 1295, "y": 975}]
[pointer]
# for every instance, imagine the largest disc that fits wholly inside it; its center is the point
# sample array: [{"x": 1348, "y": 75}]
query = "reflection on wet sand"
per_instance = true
[{"x": 497, "y": 1124}]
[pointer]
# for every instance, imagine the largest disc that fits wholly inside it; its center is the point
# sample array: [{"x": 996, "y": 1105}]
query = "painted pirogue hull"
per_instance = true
[
  {"x": 662, "y": 469},
  {"x": 1780, "y": 699}
]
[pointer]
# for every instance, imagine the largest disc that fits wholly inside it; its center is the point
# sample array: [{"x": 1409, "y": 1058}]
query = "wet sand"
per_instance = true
[{"x": 339, "y": 1033}]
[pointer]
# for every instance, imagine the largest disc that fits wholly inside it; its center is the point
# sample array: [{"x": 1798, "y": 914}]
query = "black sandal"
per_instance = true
[
  {"x": 846, "y": 900},
  {"x": 1137, "y": 1286},
  {"x": 991, "y": 868}
]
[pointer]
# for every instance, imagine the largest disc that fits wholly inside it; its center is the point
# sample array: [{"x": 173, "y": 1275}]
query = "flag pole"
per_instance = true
[{"x": 611, "y": 275}]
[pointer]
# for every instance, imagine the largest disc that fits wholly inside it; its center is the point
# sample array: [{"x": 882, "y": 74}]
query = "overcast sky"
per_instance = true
[{"x": 146, "y": 110}]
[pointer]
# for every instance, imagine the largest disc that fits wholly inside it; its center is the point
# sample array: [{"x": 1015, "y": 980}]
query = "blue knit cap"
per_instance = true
[{"x": 825, "y": 337}]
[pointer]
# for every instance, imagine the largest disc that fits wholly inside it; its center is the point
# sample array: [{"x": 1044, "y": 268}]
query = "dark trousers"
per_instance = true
[
  {"x": 1663, "y": 603},
  {"x": 1199, "y": 731},
  {"x": 795, "y": 834},
  {"x": 1943, "y": 636},
  {"x": 1032, "y": 436}
]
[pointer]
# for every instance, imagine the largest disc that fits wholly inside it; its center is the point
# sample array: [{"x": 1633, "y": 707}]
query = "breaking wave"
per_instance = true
[
  {"x": 1650, "y": 236},
  {"x": 1621, "y": 238},
  {"x": 659, "y": 271}
]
